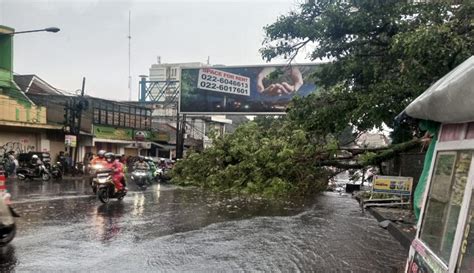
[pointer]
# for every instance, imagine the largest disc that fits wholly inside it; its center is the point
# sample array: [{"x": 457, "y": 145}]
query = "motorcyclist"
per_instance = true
[
  {"x": 117, "y": 171},
  {"x": 119, "y": 159},
  {"x": 62, "y": 159},
  {"x": 99, "y": 159},
  {"x": 141, "y": 164},
  {"x": 163, "y": 164},
  {"x": 152, "y": 166},
  {"x": 35, "y": 163}
]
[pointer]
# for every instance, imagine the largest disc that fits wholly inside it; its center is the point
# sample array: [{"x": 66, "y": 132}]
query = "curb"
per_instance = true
[{"x": 401, "y": 236}]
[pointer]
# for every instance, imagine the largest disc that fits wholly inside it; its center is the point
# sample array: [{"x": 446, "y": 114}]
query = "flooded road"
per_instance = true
[{"x": 64, "y": 228}]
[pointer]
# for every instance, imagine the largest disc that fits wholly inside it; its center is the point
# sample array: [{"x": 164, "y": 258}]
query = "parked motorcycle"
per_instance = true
[
  {"x": 77, "y": 170},
  {"x": 32, "y": 173},
  {"x": 141, "y": 178},
  {"x": 105, "y": 186},
  {"x": 7, "y": 222},
  {"x": 56, "y": 171}
]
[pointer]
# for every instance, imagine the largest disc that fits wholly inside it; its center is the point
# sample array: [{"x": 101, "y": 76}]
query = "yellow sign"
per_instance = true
[{"x": 393, "y": 185}]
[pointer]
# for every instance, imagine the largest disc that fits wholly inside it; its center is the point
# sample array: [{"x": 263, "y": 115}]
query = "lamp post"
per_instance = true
[{"x": 48, "y": 29}]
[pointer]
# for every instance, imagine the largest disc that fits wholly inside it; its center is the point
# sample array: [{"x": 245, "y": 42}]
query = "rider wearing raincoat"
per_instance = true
[{"x": 117, "y": 171}]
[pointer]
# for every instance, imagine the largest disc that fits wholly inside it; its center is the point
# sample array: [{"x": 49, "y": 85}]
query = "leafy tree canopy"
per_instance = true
[{"x": 381, "y": 55}]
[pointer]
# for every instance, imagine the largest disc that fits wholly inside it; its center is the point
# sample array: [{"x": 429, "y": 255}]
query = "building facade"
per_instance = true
[
  {"x": 163, "y": 96},
  {"x": 23, "y": 124}
]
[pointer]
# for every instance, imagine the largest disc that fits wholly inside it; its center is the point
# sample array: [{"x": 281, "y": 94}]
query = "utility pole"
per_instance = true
[
  {"x": 181, "y": 136},
  {"x": 178, "y": 146},
  {"x": 79, "y": 107},
  {"x": 129, "y": 55}
]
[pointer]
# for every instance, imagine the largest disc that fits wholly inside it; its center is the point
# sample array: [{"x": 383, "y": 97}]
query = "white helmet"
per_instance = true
[
  {"x": 34, "y": 157},
  {"x": 101, "y": 153}
]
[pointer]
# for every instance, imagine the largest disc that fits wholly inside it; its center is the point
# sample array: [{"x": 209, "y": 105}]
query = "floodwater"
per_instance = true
[{"x": 64, "y": 228}]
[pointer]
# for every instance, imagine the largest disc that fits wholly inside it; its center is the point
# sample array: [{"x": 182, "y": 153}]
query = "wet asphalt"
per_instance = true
[{"x": 64, "y": 228}]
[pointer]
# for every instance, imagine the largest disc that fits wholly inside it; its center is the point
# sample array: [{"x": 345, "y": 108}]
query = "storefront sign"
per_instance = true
[
  {"x": 113, "y": 133},
  {"x": 139, "y": 145},
  {"x": 422, "y": 261},
  {"x": 140, "y": 135},
  {"x": 393, "y": 185},
  {"x": 70, "y": 140}
]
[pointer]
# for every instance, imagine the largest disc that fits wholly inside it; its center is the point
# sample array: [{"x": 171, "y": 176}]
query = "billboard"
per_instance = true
[
  {"x": 244, "y": 89},
  {"x": 393, "y": 185}
]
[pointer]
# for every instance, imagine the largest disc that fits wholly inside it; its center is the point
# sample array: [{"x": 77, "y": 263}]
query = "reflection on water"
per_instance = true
[
  {"x": 7, "y": 258},
  {"x": 138, "y": 204},
  {"x": 107, "y": 220}
]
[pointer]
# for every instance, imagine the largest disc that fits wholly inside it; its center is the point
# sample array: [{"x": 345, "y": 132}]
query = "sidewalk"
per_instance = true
[{"x": 400, "y": 223}]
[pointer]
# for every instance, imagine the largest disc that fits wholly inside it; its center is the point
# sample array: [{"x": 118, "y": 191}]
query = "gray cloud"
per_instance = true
[{"x": 93, "y": 38}]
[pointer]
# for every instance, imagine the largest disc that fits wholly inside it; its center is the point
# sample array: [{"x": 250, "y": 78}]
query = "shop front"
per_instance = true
[{"x": 445, "y": 233}]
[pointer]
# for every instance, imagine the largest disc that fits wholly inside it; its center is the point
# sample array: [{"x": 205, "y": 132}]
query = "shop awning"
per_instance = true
[
  {"x": 165, "y": 147},
  {"x": 450, "y": 99},
  {"x": 118, "y": 141},
  {"x": 30, "y": 125}
]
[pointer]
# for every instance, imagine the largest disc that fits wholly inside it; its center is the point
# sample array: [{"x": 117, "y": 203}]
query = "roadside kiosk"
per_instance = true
[{"x": 444, "y": 240}]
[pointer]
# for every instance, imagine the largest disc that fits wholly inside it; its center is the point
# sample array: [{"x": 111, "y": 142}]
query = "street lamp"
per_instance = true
[{"x": 48, "y": 29}]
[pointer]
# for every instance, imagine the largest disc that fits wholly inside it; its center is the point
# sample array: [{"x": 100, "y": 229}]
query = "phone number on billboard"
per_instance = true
[
  {"x": 211, "y": 78},
  {"x": 223, "y": 88}
]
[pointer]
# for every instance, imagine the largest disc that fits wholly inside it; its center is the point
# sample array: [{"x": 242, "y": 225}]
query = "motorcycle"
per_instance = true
[
  {"x": 56, "y": 172},
  {"x": 163, "y": 174},
  {"x": 32, "y": 173},
  {"x": 106, "y": 187},
  {"x": 77, "y": 170},
  {"x": 141, "y": 178},
  {"x": 153, "y": 171},
  {"x": 7, "y": 223},
  {"x": 93, "y": 171}
]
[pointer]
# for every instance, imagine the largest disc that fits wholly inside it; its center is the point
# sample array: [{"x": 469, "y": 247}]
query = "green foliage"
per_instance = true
[
  {"x": 262, "y": 157},
  {"x": 382, "y": 54}
]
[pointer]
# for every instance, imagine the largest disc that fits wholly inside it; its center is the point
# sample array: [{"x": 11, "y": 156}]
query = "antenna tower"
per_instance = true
[{"x": 129, "y": 55}]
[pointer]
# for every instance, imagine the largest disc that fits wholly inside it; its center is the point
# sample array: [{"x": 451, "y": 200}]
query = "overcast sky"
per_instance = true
[{"x": 93, "y": 37}]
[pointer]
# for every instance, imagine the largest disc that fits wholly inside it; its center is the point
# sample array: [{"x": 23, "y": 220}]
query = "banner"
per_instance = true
[
  {"x": 393, "y": 185},
  {"x": 70, "y": 140},
  {"x": 107, "y": 132},
  {"x": 244, "y": 89},
  {"x": 113, "y": 133}
]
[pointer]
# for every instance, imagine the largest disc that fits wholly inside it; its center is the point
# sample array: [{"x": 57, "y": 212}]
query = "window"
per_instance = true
[
  {"x": 173, "y": 73},
  {"x": 96, "y": 115},
  {"x": 127, "y": 120},
  {"x": 122, "y": 119},
  {"x": 116, "y": 119},
  {"x": 110, "y": 117},
  {"x": 444, "y": 202},
  {"x": 103, "y": 117}
]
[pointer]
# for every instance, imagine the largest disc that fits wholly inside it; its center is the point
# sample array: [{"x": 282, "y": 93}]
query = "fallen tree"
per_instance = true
[{"x": 381, "y": 55}]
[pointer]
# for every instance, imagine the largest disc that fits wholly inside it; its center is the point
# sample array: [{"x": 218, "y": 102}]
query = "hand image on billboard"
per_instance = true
[{"x": 279, "y": 88}]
